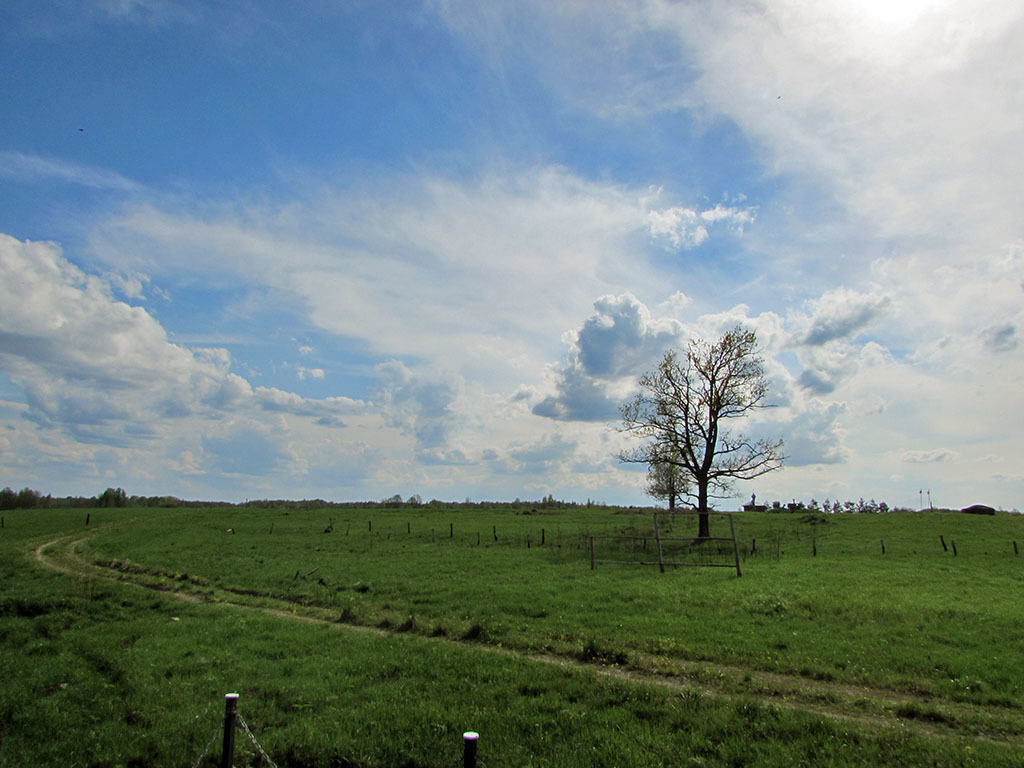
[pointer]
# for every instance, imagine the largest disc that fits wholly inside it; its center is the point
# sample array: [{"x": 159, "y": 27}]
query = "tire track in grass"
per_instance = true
[{"x": 874, "y": 707}]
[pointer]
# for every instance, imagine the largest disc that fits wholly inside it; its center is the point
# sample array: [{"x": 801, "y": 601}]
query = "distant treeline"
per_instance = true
[
  {"x": 547, "y": 503},
  {"x": 28, "y": 498}
]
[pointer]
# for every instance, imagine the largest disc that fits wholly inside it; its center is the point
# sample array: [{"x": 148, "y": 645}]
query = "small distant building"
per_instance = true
[
  {"x": 979, "y": 509},
  {"x": 753, "y": 506}
]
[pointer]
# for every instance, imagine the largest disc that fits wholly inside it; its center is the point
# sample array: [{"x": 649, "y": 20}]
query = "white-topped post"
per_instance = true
[
  {"x": 469, "y": 740},
  {"x": 227, "y": 753}
]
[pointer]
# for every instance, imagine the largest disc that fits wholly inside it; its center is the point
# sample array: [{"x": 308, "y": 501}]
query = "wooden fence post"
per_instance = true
[
  {"x": 657, "y": 538},
  {"x": 451, "y": 530},
  {"x": 883, "y": 546},
  {"x": 469, "y": 741},
  {"x": 943, "y": 540},
  {"x": 1015, "y": 548},
  {"x": 735, "y": 546},
  {"x": 227, "y": 753},
  {"x": 954, "y": 547}
]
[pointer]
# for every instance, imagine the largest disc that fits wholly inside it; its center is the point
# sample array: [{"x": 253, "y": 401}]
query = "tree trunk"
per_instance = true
[{"x": 703, "y": 527}]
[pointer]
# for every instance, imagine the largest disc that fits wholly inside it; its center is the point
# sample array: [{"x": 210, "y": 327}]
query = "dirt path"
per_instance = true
[{"x": 877, "y": 707}]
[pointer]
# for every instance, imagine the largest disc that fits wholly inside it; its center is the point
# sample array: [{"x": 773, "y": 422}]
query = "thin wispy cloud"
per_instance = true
[{"x": 34, "y": 168}]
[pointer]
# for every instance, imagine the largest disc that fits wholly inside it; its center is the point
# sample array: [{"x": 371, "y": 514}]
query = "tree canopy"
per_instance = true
[{"x": 681, "y": 410}]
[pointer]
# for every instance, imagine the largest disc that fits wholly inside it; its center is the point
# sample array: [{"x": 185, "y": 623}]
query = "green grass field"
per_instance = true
[{"x": 381, "y": 642}]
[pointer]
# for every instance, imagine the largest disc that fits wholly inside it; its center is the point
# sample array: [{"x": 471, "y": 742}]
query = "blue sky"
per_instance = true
[{"x": 347, "y": 250}]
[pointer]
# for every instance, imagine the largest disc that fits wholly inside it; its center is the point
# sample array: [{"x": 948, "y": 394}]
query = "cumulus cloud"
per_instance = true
[
  {"x": 421, "y": 406},
  {"x": 620, "y": 340},
  {"x": 311, "y": 373},
  {"x": 104, "y": 370},
  {"x": 842, "y": 313},
  {"x": 687, "y": 228},
  {"x": 818, "y": 382}
]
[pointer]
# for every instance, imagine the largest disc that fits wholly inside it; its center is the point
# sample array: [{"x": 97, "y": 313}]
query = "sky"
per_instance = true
[{"x": 345, "y": 250}]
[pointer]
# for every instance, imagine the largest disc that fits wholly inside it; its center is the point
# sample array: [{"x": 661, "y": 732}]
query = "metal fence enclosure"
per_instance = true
[{"x": 673, "y": 551}]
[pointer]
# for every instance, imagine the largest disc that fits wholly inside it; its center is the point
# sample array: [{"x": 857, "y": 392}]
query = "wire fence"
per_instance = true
[
  {"x": 673, "y": 551},
  {"x": 233, "y": 721}
]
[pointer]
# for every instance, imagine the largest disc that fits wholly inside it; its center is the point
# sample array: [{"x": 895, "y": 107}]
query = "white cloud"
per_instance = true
[
  {"x": 688, "y": 228},
  {"x": 841, "y": 313},
  {"x": 104, "y": 370},
  {"x": 619, "y": 341},
  {"x": 911, "y": 122},
  {"x": 481, "y": 272},
  {"x": 422, "y": 406},
  {"x": 313, "y": 373},
  {"x": 37, "y": 168}
]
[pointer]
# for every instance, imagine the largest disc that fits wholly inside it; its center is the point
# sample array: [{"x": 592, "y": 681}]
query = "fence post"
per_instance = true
[
  {"x": 735, "y": 546},
  {"x": 469, "y": 741},
  {"x": 657, "y": 538},
  {"x": 227, "y": 753}
]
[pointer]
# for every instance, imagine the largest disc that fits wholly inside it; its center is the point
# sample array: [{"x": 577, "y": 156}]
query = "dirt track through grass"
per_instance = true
[{"x": 875, "y": 707}]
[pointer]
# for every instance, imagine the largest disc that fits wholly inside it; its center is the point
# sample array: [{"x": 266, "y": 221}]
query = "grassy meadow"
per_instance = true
[{"x": 380, "y": 642}]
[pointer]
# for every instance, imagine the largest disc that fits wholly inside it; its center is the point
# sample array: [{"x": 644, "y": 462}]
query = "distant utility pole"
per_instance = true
[
  {"x": 920, "y": 499},
  {"x": 930, "y": 500}
]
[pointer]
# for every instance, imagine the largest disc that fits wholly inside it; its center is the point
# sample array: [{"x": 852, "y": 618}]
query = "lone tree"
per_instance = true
[
  {"x": 680, "y": 410},
  {"x": 668, "y": 481}
]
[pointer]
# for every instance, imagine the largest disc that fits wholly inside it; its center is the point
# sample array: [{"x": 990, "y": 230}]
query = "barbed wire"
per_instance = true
[
  {"x": 263, "y": 753},
  {"x": 209, "y": 744},
  {"x": 259, "y": 749}
]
